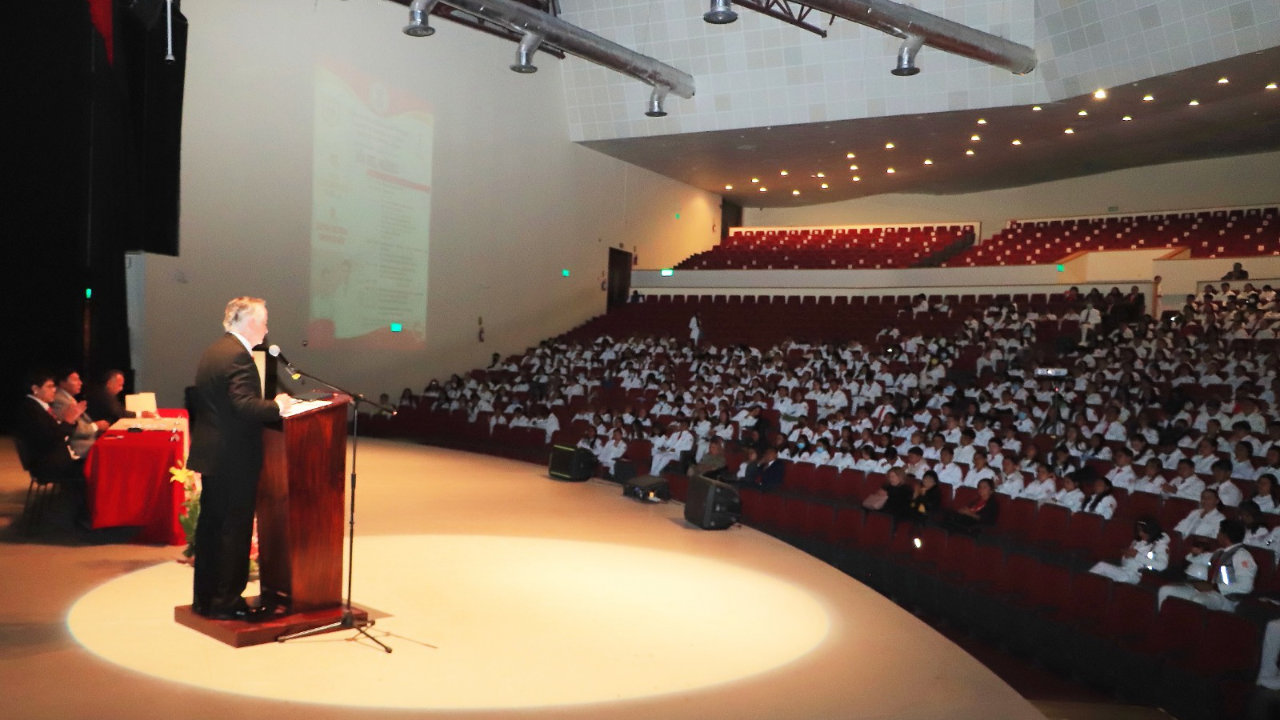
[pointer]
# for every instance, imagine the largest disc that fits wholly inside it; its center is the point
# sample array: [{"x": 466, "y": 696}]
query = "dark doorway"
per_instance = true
[
  {"x": 730, "y": 216},
  {"x": 619, "y": 277}
]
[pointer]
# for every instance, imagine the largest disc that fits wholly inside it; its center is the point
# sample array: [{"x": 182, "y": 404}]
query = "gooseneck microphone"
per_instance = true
[{"x": 275, "y": 352}]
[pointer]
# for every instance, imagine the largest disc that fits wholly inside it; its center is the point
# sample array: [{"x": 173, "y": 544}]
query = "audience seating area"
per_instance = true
[
  {"x": 1023, "y": 582},
  {"x": 829, "y": 248},
  {"x": 764, "y": 320},
  {"x": 1207, "y": 234}
]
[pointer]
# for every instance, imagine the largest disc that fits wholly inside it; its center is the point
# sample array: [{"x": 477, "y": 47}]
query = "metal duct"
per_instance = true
[
  {"x": 586, "y": 45},
  {"x": 524, "y": 53},
  {"x": 937, "y": 32},
  {"x": 907, "y": 56},
  {"x": 418, "y": 25}
]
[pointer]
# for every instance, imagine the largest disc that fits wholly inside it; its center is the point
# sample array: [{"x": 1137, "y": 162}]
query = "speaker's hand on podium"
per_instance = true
[{"x": 284, "y": 402}]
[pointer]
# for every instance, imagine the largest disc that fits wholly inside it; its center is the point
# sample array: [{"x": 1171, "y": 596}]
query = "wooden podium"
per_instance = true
[{"x": 301, "y": 501}]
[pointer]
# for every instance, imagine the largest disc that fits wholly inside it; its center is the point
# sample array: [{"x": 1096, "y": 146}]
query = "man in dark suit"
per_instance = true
[
  {"x": 104, "y": 400},
  {"x": 228, "y": 412},
  {"x": 43, "y": 434}
]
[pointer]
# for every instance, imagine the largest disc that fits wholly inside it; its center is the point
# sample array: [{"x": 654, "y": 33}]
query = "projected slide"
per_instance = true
[{"x": 371, "y": 214}]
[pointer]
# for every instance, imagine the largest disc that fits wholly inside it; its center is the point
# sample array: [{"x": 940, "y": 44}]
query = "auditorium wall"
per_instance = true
[
  {"x": 1242, "y": 180},
  {"x": 513, "y": 202}
]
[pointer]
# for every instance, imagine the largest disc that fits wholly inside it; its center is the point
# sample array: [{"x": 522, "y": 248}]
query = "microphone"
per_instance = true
[{"x": 275, "y": 352}]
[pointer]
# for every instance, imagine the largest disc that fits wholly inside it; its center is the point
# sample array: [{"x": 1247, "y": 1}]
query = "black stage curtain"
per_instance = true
[{"x": 94, "y": 137}]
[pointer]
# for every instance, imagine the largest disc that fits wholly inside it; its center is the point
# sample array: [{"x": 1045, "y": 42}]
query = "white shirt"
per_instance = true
[{"x": 1198, "y": 522}]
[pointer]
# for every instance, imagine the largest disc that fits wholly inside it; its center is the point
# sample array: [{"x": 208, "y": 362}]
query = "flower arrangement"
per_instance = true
[{"x": 190, "y": 516}]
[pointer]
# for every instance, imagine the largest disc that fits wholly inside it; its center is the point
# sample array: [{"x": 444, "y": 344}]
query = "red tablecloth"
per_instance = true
[{"x": 129, "y": 484}]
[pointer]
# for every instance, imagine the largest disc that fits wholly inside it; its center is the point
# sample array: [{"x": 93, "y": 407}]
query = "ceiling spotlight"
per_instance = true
[
  {"x": 825, "y": 186},
  {"x": 982, "y": 121},
  {"x": 975, "y": 137},
  {"x": 850, "y": 156},
  {"x": 1223, "y": 81},
  {"x": 889, "y": 171},
  {"x": 853, "y": 167},
  {"x": 795, "y": 192},
  {"x": 1148, "y": 97},
  {"x": 1035, "y": 108},
  {"x": 927, "y": 161},
  {"x": 822, "y": 175},
  {"x": 1083, "y": 113},
  {"x": 1068, "y": 131},
  {"x": 1127, "y": 118},
  {"x": 721, "y": 13},
  {"x": 524, "y": 54},
  {"x": 1194, "y": 103},
  {"x": 764, "y": 189},
  {"x": 655, "y": 101},
  {"x": 728, "y": 187},
  {"x": 783, "y": 173},
  {"x": 857, "y": 179},
  {"x": 1016, "y": 142},
  {"x": 907, "y": 56},
  {"x": 969, "y": 152},
  {"x": 755, "y": 180},
  {"x": 1099, "y": 94},
  {"x": 888, "y": 146},
  {"x": 418, "y": 13},
  {"x": 1271, "y": 86}
]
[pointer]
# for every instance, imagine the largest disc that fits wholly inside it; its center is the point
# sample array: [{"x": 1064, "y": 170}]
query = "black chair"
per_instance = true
[{"x": 40, "y": 492}]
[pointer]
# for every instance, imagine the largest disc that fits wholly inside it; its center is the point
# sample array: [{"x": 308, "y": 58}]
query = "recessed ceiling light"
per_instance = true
[
  {"x": 850, "y": 156},
  {"x": 728, "y": 187},
  {"x": 822, "y": 175},
  {"x": 975, "y": 137},
  {"x": 969, "y": 151},
  {"x": 795, "y": 192},
  {"x": 1271, "y": 86},
  {"x": 927, "y": 161},
  {"x": 764, "y": 189},
  {"x": 1223, "y": 81},
  {"x": 755, "y": 180},
  {"x": 1068, "y": 131},
  {"x": 1016, "y": 142},
  {"x": 825, "y": 186},
  {"x": 783, "y": 173},
  {"x": 853, "y": 167},
  {"x": 982, "y": 121},
  {"x": 1127, "y": 118},
  {"x": 888, "y": 146},
  {"x": 1194, "y": 103},
  {"x": 1035, "y": 108},
  {"x": 1099, "y": 94},
  {"x": 1148, "y": 98},
  {"x": 889, "y": 171},
  {"x": 1083, "y": 113},
  {"x": 857, "y": 179}
]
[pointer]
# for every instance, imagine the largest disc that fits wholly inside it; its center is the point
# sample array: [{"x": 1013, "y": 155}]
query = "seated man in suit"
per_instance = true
[
  {"x": 87, "y": 430},
  {"x": 42, "y": 438},
  {"x": 104, "y": 400}
]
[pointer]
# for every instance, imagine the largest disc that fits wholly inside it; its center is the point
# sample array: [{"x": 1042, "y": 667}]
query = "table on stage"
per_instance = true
[{"x": 128, "y": 481}]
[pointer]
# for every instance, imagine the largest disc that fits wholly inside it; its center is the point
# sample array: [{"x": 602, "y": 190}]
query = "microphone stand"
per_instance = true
[{"x": 348, "y": 620}]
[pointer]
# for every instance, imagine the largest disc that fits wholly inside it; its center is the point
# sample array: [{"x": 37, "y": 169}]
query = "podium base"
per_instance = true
[{"x": 237, "y": 633}]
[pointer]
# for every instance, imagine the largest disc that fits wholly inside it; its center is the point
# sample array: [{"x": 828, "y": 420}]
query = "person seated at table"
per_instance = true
[
  {"x": 104, "y": 400},
  {"x": 87, "y": 430},
  {"x": 44, "y": 432}
]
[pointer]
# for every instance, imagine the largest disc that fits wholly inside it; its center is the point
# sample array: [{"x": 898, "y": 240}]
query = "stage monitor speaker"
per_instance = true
[
  {"x": 571, "y": 463},
  {"x": 647, "y": 487},
  {"x": 711, "y": 504}
]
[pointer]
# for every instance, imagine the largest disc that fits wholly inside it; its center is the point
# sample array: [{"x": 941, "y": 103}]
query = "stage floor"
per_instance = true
[{"x": 503, "y": 594}]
